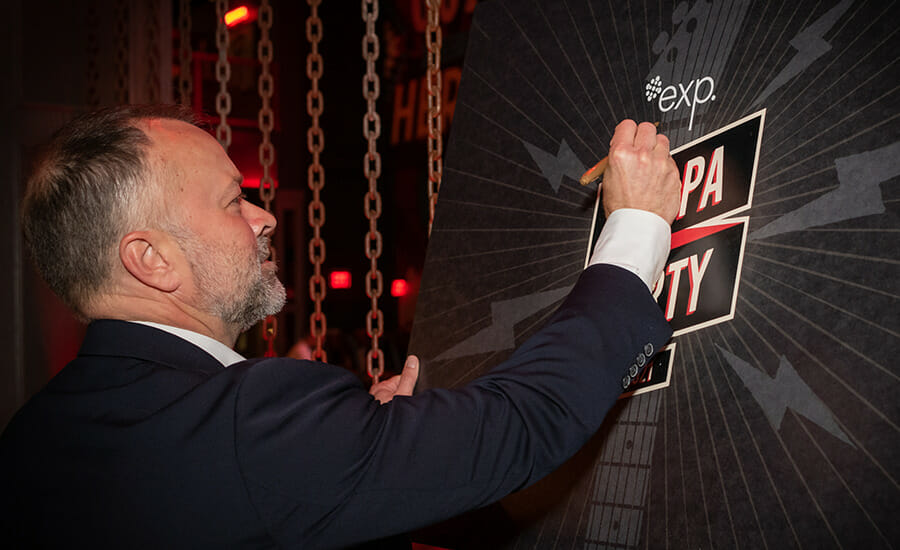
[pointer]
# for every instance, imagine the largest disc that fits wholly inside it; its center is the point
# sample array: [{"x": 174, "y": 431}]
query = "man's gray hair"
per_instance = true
[{"x": 87, "y": 190}]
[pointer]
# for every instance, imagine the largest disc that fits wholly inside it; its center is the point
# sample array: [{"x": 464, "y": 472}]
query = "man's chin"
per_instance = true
[
  {"x": 269, "y": 299},
  {"x": 278, "y": 297},
  {"x": 273, "y": 295}
]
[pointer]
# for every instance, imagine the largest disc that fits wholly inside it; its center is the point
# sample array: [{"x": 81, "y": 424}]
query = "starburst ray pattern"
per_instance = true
[{"x": 780, "y": 427}]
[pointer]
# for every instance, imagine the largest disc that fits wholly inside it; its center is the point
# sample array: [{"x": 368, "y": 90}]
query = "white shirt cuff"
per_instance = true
[{"x": 636, "y": 240}]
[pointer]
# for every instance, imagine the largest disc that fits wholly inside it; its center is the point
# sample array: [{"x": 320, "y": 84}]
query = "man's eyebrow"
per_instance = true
[{"x": 236, "y": 181}]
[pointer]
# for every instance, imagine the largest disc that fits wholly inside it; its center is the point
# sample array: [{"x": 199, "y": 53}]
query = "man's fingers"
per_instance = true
[
  {"x": 409, "y": 376},
  {"x": 645, "y": 138},
  {"x": 401, "y": 384},
  {"x": 662, "y": 143},
  {"x": 629, "y": 134},
  {"x": 624, "y": 133}
]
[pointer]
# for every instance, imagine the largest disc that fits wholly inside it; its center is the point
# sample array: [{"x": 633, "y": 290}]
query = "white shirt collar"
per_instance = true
[{"x": 220, "y": 351}]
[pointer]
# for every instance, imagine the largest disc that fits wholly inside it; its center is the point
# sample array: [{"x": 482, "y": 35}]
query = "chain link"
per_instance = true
[
  {"x": 433, "y": 85},
  {"x": 315, "y": 141},
  {"x": 223, "y": 75},
  {"x": 372, "y": 203},
  {"x": 121, "y": 34},
  {"x": 266, "y": 117},
  {"x": 185, "y": 84}
]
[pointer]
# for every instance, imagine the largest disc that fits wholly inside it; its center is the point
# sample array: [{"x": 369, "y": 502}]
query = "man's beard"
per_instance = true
[{"x": 239, "y": 291}]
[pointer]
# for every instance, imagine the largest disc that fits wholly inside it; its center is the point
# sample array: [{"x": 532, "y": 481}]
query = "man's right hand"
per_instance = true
[
  {"x": 641, "y": 172},
  {"x": 401, "y": 384}
]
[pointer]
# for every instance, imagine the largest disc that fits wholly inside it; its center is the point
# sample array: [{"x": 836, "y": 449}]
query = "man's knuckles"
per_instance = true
[{"x": 663, "y": 142}]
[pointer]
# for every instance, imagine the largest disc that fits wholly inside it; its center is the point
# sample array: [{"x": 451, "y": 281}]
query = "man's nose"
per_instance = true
[{"x": 261, "y": 221}]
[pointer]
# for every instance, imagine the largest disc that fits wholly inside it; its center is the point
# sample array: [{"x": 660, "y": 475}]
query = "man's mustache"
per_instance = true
[{"x": 263, "y": 250}]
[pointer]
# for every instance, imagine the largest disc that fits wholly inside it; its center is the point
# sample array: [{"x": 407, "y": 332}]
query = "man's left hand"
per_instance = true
[{"x": 401, "y": 384}]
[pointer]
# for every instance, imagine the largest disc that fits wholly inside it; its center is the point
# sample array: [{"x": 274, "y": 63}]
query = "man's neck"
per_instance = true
[{"x": 165, "y": 312}]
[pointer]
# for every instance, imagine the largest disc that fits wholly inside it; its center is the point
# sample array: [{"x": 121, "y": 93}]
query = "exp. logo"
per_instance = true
[{"x": 696, "y": 92}]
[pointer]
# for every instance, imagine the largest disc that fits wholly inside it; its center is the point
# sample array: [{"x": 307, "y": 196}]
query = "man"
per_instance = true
[{"x": 158, "y": 435}]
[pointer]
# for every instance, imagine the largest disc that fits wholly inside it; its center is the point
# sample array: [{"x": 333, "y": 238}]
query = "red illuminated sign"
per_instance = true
[
  {"x": 399, "y": 288},
  {"x": 340, "y": 279}
]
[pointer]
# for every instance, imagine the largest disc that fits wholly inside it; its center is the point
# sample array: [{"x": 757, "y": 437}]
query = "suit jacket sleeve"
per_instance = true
[{"x": 317, "y": 453}]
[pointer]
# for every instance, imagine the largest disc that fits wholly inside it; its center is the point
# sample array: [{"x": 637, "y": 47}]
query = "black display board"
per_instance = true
[{"x": 772, "y": 419}]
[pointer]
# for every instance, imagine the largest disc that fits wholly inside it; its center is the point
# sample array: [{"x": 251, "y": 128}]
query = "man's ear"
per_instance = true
[{"x": 148, "y": 258}]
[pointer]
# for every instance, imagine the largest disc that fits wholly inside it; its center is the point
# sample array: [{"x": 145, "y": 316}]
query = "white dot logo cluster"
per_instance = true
[{"x": 653, "y": 88}]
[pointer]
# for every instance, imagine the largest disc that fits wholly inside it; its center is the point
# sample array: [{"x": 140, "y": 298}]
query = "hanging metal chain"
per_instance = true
[
  {"x": 266, "y": 119},
  {"x": 372, "y": 203},
  {"x": 223, "y": 74},
  {"x": 152, "y": 34},
  {"x": 433, "y": 84},
  {"x": 121, "y": 35},
  {"x": 315, "y": 141},
  {"x": 185, "y": 53}
]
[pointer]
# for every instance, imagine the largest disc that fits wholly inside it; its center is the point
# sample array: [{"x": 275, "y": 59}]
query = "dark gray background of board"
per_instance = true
[{"x": 780, "y": 427}]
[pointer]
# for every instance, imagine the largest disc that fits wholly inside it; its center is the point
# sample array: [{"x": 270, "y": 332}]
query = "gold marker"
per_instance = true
[{"x": 597, "y": 171}]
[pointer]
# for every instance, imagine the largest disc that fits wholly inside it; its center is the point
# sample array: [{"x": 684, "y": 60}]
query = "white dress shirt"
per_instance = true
[{"x": 220, "y": 351}]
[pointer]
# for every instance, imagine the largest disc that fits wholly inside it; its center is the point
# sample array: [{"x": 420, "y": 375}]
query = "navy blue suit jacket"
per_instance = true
[{"x": 146, "y": 441}]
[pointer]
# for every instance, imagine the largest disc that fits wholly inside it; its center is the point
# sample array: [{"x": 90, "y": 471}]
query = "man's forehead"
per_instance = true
[
  {"x": 189, "y": 157},
  {"x": 167, "y": 129},
  {"x": 183, "y": 143}
]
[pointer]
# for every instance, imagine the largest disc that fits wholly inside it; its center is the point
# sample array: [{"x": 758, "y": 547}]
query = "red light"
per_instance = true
[
  {"x": 399, "y": 288},
  {"x": 340, "y": 279},
  {"x": 254, "y": 183},
  {"x": 237, "y": 15}
]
